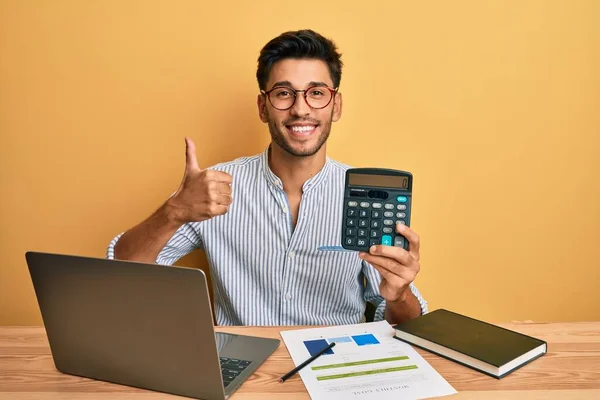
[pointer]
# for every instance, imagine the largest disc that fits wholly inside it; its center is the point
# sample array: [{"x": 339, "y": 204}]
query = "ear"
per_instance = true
[
  {"x": 337, "y": 107},
  {"x": 261, "y": 103}
]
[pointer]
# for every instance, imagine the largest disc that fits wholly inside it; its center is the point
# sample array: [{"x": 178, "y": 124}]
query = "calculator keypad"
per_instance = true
[{"x": 371, "y": 223}]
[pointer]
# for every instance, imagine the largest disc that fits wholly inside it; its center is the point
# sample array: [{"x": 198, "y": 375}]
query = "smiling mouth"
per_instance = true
[{"x": 301, "y": 130}]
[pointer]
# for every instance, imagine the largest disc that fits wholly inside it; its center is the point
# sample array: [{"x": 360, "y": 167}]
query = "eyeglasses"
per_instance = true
[{"x": 283, "y": 97}]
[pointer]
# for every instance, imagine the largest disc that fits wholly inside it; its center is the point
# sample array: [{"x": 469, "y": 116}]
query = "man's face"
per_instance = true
[{"x": 301, "y": 130}]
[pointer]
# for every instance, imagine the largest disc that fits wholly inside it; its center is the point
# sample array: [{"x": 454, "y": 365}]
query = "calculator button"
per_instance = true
[
  {"x": 351, "y": 221},
  {"x": 373, "y": 242},
  {"x": 376, "y": 205},
  {"x": 399, "y": 241},
  {"x": 351, "y": 212},
  {"x": 352, "y": 204},
  {"x": 400, "y": 215},
  {"x": 375, "y": 214},
  {"x": 387, "y": 222},
  {"x": 389, "y": 206},
  {"x": 401, "y": 207},
  {"x": 365, "y": 204},
  {"x": 363, "y": 223},
  {"x": 374, "y": 234},
  {"x": 386, "y": 240},
  {"x": 388, "y": 214},
  {"x": 403, "y": 222},
  {"x": 361, "y": 242},
  {"x": 375, "y": 224},
  {"x": 388, "y": 230},
  {"x": 402, "y": 199},
  {"x": 362, "y": 233},
  {"x": 350, "y": 241},
  {"x": 350, "y": 231},
  {"x": 363, "y": 213}
]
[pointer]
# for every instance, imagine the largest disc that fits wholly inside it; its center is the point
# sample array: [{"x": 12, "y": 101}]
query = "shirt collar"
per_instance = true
[{"x": 310, "y": 184}]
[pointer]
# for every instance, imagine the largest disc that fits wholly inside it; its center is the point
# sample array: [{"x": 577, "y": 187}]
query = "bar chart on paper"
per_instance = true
[
  {"x": 366, "y": 362},
  {"x": 313, "y": 346}
]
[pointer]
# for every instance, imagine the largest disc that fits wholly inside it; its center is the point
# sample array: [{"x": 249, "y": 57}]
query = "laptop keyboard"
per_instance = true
[{"x": 231, "y": 368}]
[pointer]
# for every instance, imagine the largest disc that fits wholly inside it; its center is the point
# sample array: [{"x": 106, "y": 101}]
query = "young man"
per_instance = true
[{"x": 262, "y": 242}]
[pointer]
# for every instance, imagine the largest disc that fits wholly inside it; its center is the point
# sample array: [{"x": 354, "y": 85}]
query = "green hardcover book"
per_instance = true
[{"x": 476, "y": 344}]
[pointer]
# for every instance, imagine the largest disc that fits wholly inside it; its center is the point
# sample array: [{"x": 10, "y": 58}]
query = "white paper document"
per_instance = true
[{"x": 365, "y": 363}]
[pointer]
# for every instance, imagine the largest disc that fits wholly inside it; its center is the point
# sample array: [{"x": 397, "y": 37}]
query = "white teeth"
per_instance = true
[{"x": 302, "y": 128}]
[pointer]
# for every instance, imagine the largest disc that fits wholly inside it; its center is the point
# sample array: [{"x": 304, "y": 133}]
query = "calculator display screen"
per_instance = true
[{"x": 390, "y": 181}]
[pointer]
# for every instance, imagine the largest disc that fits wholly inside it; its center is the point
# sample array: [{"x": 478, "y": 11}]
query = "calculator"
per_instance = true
[{"x": 375, "y": 200}]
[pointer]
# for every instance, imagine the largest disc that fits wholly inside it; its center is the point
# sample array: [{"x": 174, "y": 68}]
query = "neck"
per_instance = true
[{"x": 294, "y": 171}]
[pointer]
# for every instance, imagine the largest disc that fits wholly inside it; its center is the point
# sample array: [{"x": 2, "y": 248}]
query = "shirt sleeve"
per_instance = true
[
  {"x": 184, "y": 241},
  {"x": 373, "y": 296}
]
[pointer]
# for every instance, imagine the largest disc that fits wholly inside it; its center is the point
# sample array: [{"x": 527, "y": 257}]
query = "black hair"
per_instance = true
[{"x": 302, "y": 44}]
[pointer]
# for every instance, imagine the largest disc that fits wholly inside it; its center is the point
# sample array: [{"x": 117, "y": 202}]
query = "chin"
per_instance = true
[{"x": 302, "y": 151}]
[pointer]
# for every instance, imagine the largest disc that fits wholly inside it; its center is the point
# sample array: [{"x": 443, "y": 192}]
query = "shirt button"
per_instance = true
[
  {"x": 291, "y": 254},
  {"x": 284, "y": 208},
  {"x": 288, "y": 296}
]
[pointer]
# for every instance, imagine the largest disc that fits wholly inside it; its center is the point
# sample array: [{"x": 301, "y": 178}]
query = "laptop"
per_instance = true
[{"x": 143, "y": 325}]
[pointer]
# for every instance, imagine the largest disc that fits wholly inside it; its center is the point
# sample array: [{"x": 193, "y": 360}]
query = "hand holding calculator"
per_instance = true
[{"x": 375, "y": 200}]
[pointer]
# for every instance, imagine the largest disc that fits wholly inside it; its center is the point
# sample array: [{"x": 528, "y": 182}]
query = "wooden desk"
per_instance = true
[{"x": 570, "y": 370}]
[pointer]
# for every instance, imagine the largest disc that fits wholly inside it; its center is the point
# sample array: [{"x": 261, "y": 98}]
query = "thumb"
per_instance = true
[{"x": 191, "y": 162}]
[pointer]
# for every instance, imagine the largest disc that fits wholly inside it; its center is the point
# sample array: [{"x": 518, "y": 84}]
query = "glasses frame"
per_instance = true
[{"x": 267, "y": 94}]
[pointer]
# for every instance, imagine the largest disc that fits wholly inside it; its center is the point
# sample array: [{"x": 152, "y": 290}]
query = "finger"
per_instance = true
[
  {"x": 191, "y": 162},
  {"x": 218, "y": 209},
  {"x": 385, "y": 274},
  {"x": 218, "y": 176},
  {"x": 414, "y": 242},
  {"x": 387, "y": 263},
  {"x": 392, "y": 279},
  {"x": 394, "y": 252},
  {"x": 223, "y": 188},
  {"x": 397, "y": 271},
  {"x": 223, "y": 199}
]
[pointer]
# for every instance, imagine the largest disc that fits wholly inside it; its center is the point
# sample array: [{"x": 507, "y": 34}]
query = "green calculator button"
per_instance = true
[
  {"x": 401, "y": 199},
  {"x": 386, "y": 240}
]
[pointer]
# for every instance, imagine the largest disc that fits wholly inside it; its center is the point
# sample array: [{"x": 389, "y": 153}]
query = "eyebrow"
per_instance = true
[{"x": 289, "y": 84}]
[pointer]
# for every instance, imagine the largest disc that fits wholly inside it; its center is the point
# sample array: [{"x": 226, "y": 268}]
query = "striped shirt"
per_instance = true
[{"x": 265, "y": 271}]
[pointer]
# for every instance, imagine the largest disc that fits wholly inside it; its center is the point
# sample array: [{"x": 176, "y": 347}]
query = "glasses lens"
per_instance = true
[
  {"x": 282, "y": 98},
  {"x": 318, "y": 97}
]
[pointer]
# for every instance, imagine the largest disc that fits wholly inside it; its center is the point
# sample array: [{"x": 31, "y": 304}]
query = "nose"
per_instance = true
[{"x": 300, "y": 107}]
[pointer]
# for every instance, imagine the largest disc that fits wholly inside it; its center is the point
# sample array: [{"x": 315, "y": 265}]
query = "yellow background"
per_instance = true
[{"x": 494, "y": 106}]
